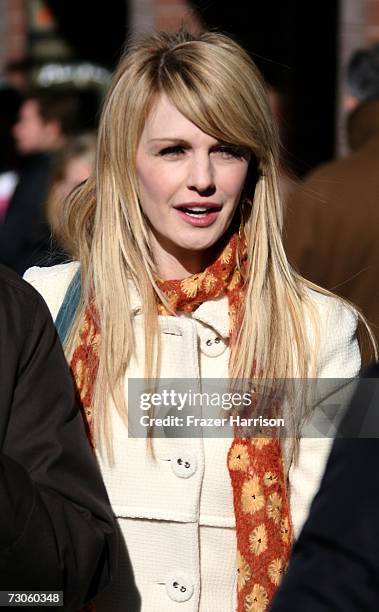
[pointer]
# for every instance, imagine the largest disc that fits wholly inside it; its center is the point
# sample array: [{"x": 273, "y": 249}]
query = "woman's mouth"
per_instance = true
[{"x": 199, "y": 216}]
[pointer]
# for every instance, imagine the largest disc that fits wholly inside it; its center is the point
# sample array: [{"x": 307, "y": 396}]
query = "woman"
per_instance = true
[
  {"x": 73, "y": 165},
  {"x": 183, "y": 275}
]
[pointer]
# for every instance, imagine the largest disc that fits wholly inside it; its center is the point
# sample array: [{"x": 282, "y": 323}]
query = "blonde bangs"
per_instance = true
[{"x": 201, "y": 83}]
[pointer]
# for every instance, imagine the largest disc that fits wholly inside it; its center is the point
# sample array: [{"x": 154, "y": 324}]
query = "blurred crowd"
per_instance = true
[{"x": 47, "y": 148}]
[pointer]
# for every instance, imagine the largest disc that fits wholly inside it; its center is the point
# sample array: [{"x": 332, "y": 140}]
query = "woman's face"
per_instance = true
[{"x": 189, "y": 183}]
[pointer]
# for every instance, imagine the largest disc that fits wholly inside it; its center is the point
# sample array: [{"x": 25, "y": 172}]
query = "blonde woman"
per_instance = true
[{"x": 183, "y": 275}]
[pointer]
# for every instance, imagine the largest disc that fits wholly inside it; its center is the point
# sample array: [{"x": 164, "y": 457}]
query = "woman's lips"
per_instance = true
[
  {"x": 199, "y": 215},
  {"x": 198, "y": 219}
]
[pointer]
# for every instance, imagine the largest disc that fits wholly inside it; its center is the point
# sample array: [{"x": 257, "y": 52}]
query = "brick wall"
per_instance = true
[
  {"x": 145, "y": 15},
  {"x": 172, "y": 14},
  {"x": 3, "y": 33},
  {"x": 158, "y": 15},
  {"x": 13, "y": 15},
  {"x": 358, "y": 27},
  {"x": 372, "y": 26},
  {"x": 161, "y": 15}
]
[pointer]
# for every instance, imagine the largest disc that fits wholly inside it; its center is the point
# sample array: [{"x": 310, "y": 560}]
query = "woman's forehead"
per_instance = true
[
  {"x": 165, "y": 122},
  {"x": 164, "y": 113}
]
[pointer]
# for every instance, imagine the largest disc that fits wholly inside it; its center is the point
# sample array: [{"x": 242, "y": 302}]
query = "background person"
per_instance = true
[
  {"x": 331, "y": 225},
  {"x": 46, "y": 118},
  {"x": 56, "y": 527},
  {"x": 9, "y": 159},
  {"x": 73, "y": 165},
  {"x": 183, "y": 275}
]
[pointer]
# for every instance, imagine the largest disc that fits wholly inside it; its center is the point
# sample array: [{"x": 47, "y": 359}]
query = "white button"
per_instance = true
[
  {"x": 179, "y": 587},
  {"x": 184, "y": 465},
  {"x": 212, "y": 345},
  {"x": 211, "y": 342}
]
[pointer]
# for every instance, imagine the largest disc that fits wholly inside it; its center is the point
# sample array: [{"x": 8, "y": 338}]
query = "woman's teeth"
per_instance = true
[{"x": 195, "y": 212}]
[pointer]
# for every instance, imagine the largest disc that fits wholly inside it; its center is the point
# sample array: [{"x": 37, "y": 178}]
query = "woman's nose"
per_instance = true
[{"x": 201, "y": 175}]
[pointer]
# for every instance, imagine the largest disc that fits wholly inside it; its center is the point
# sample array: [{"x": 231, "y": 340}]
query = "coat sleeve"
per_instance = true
[
  {"x": 338, "y": 360},
  {"x": 56, "y": 527}
]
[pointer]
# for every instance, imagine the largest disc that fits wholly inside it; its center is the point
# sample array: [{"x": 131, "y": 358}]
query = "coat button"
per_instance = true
[
  {"x": 184, "y": 465},
  {"x": 179, "y": 587},
  {"x": 212, "y": 346}
]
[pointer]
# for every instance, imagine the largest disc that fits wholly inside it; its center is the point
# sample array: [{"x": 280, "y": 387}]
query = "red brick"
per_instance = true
[
  {"x": 373, "y": 13},
  {"x": 172, "y": 14},
  {"x": 167, "y": 23},
  {"x": 16, "y": 29},
  {"x": 372, "y": 35},
  {"x": 183, "y": 3}
]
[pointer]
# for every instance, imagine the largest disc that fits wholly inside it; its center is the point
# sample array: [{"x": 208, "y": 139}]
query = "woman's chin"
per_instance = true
[
  {"x": 200, "y": 240},
  {"x": 197, "y": 246}
]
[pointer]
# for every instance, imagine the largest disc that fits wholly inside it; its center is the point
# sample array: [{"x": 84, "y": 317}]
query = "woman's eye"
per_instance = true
[
  {"x": 171, "y": 151},
  {"x": 229, "y": 152}
]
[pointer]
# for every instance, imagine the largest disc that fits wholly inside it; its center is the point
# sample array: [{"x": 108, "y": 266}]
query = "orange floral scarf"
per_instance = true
[{"x": 263, "y": 526}]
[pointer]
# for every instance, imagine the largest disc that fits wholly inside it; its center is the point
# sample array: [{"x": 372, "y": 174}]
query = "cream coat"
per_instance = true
[{"x": 175, "y": 514}]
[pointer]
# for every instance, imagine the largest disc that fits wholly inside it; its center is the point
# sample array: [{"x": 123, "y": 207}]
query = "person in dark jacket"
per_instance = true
[
  {"x": 330, "y": 231},
  {"x": 335, "y": 562},
  {"x": 46, "y": 119},
  {"x": 56, "y": 525}
]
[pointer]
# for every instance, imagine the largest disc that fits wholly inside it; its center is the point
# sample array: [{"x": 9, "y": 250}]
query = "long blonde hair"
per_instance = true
[{"x": 213, "y": 82}]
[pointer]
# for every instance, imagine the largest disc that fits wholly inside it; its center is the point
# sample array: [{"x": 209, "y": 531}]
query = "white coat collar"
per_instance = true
[{"x": 215, "y": 314}]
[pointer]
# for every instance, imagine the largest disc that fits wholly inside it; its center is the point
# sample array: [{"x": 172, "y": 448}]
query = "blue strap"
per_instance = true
[{"x": 68, "y": 308}]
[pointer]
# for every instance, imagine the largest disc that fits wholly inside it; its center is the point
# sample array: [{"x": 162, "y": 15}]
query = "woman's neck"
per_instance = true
[
  {"x": 175, "y": 263},
  {"x": 182, "y": 265}
]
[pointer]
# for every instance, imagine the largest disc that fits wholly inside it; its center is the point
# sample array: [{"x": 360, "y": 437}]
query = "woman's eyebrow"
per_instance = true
[
  {"x": 183, "y": 142},
  {"x": 166, "y": 139}
]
